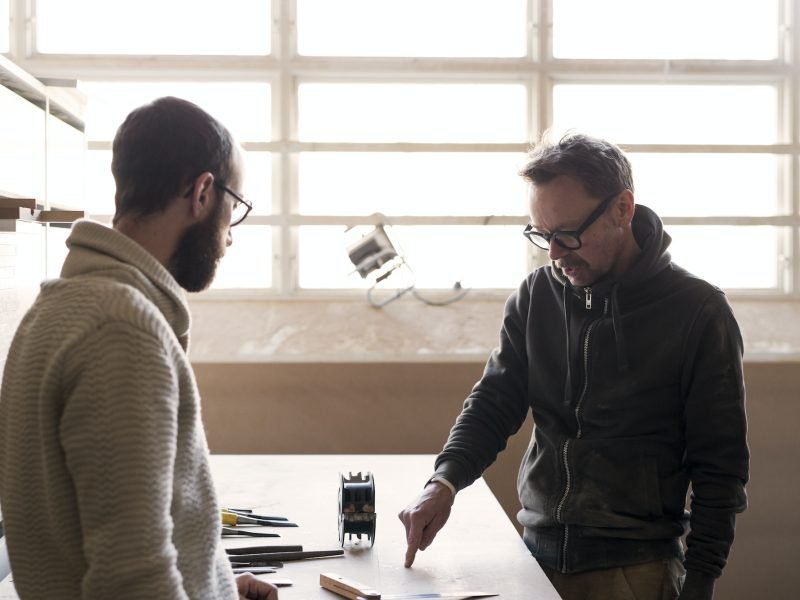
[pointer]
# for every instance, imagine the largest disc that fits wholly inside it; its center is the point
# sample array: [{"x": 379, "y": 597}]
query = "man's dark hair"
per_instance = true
[
  {"x": 600, "y": 166},
  {"x": 160, "y": 149}
]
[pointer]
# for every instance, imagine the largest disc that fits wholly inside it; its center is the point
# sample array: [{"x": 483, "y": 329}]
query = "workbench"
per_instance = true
[{"x": 478, "y": 550}]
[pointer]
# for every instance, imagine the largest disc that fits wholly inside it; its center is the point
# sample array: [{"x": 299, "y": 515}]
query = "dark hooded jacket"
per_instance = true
[{"x": 635, "y": 387}]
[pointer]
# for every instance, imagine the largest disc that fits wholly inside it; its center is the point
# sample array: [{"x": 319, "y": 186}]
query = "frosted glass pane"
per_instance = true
[
  {"x": 393, "y": 183},
  {"x": 257, "y": 186},
  {"x": 412, "y": 28},
  {"x": 678, "y": 114},
  {"x": 22, "y": 149},
  {"x": 729, "y": 256},
  {"x": 243, "y": 107},
  {"x": 66, "y": 154},
  {"x": 398, "y": 112},
  {"x": 673, "y": 29},
  {"x": 479, "y": 257},
  {"x": 153, "y": 27},
  {"x": 248, "y": 261},
  {"x": 705, "y": 185},
  {"x": 4, "y": 26}
]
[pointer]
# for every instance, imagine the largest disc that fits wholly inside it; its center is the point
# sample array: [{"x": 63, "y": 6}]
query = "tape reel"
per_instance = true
[{"x": 357, "y": 514}]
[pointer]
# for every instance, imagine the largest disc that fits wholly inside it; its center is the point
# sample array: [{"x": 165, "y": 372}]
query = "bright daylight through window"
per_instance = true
[{"x": 416, "y": 115}]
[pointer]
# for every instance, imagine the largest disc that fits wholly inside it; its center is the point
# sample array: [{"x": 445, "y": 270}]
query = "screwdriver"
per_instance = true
[
  {"x": 231, "y": 518},
  {"x": 247, "y": 512},
  {"x": 226, "y": 531}
]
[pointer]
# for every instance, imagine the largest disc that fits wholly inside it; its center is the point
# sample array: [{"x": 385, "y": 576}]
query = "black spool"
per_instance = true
[{"x": 357, "y": 514}]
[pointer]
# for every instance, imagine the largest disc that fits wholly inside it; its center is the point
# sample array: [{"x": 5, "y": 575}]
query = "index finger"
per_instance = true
[{"x": 414, "y": 526}]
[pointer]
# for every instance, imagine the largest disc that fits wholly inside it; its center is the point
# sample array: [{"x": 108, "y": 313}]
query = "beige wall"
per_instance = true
[{"x": 409, "y": 407}]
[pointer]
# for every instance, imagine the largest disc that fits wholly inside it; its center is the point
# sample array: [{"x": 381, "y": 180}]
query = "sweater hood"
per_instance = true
[
  {"x": 101, "y": 252},
  {"x": 648, "y": 231}
]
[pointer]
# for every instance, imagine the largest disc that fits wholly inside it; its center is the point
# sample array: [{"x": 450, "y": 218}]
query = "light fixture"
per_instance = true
[
  {"x": 372, "y": 251},
  {"x": 375, "y": 256}
]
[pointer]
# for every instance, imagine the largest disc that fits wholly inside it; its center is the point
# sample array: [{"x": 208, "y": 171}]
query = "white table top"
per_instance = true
[{"x": 478, "y": 550}]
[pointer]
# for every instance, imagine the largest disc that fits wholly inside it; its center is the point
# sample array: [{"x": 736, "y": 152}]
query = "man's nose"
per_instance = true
[
  {"x": 229, "y": 238},
  {"x": 556, "y": 251}
]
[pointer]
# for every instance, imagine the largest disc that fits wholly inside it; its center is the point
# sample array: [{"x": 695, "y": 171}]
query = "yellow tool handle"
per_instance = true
[
  {"x": 347, "y": 588},
  {"x": 229, "y": 518}
]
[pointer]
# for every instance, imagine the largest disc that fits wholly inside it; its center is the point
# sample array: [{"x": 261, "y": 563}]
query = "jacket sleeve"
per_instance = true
[
  {"x": 119, "y": 433},
  {"x": 715, "y": 427},
  {"x": 498, "y": 404}
]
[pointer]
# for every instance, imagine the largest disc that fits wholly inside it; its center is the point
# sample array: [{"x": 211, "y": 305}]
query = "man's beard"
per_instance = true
[{"x": 194, "y": 262}]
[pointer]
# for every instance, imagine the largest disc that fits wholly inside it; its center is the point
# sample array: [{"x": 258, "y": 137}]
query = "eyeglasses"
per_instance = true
[
  {"x": 241, "y": 207},
  {"x": 570, "y": 240}
]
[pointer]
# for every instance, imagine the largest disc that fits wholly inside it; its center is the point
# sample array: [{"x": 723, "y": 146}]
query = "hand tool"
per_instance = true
[
  {"x": 255, "y": 570},
  {"x": 263, "y": 549},
  {"x": 226, "y": 531},
  {"x": 248, "y": 512},
  {"x": 348, "y": 588},
  {"x": 257, "y": 559},
  {"x": 229, "y": 518},
  {"x": 266, "y": 563}
]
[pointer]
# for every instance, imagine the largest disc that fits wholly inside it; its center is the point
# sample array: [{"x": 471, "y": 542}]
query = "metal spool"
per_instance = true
[{"x": 357, "y": 515}]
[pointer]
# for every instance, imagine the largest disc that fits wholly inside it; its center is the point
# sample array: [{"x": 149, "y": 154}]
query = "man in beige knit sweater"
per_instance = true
[{"x": 105, "y": 483}]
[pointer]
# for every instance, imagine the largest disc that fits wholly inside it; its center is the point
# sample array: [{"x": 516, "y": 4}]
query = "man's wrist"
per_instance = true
[{"x": 444, "y": 482}]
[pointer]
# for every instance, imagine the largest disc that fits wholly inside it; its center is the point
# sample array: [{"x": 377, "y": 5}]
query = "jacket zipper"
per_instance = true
[{"x": 565, "y": 447}]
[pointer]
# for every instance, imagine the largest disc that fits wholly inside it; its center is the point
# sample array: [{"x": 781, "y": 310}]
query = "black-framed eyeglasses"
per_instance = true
[
  {"x": 569, "y": 240},
  {"x": 241, "y": 207}
]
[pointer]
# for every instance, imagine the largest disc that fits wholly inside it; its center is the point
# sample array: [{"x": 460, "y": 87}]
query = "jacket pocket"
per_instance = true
[{"x": 615, "y": 484}]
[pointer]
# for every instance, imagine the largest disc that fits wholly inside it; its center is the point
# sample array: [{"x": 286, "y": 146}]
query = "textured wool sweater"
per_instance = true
[{"x": 105, "y": 483}]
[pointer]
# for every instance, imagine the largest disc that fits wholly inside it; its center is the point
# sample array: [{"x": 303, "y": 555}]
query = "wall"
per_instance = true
[{"x": 402, "y": 407}]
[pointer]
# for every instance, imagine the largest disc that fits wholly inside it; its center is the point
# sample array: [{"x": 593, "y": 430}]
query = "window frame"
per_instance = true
[{"x": 284, "y": 69}]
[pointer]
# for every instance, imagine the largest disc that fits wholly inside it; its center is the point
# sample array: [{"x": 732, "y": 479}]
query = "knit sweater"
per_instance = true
[{"x": 105, "y": 483}]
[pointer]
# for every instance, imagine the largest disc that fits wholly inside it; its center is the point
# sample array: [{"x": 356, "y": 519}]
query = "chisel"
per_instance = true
[
  {"x": 263, "y": 549},
  {"x": 256, "y": 559},
  {"x": 353, "y": 590}
]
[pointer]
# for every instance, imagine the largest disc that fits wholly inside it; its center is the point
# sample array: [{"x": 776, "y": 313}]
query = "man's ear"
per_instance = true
[
  {"x": 625, "y": 208},
  {"x": 201, "y": 195}
]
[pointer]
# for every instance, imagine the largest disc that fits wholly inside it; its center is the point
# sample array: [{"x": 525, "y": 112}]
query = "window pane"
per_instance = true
[
  {"x": 426, "y": 183},
  {"x": 688, "y": 114},
  {"x": 258, "y": 181},
  {"x": 729, "y": 256},
  {"x": 480, "y": 257},
  {"x": 4, "y": 26},
  {"x": 397, "y": 112},
  {"x": 675, "y": 29},
  {"x": 153, "y": 27},
  {"x": 700, "y": 185},
  {"x": 248, "y": 261},
  {"x": 243, "y": 107},
  {"x": 412, "y": 27}
]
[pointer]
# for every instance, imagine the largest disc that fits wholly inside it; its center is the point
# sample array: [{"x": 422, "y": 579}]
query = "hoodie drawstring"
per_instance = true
[{"x": 616, "y": 323}]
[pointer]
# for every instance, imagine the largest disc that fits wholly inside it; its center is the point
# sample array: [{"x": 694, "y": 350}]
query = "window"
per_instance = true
[
  {"x": 673, "y": 29},
  {"x": 475, "y": 28},
  {"x": 416, "y": 114},
  {"x": 182, "y": 27}
]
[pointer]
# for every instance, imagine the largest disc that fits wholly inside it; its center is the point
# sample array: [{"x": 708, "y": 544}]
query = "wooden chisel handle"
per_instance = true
[{"x": 347, "y": 588}]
